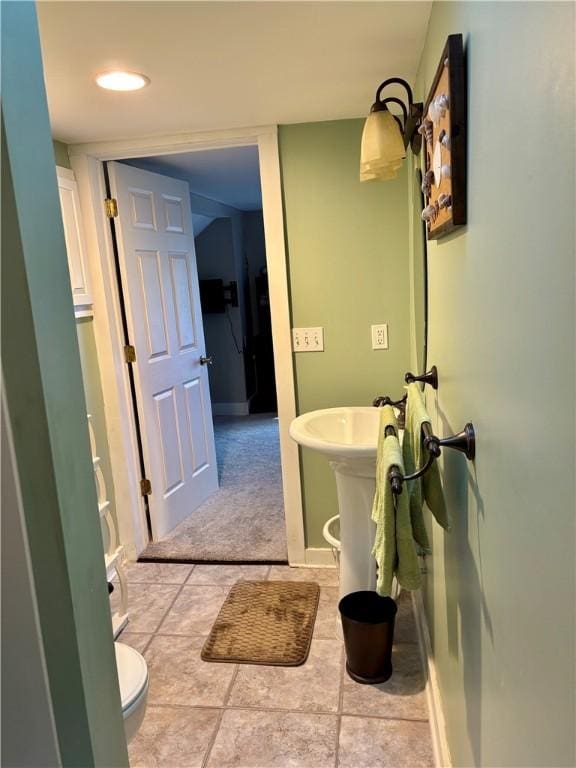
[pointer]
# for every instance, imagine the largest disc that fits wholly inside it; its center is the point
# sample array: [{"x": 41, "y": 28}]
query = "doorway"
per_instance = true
[
  {"x": 87, "y": 162},
  {"x": 241, "y": 518}
]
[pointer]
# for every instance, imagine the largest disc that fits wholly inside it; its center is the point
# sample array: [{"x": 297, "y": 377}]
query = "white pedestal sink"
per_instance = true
[{"x": 348, "y": 437}]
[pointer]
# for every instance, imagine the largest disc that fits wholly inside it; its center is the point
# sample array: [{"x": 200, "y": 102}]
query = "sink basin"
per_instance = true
[
  {"x": 349, "y": 432},
  {"x": 348, "y": 437}
]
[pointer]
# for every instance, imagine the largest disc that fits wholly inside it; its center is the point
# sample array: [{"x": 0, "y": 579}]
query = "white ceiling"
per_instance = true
[
  {"x": 216, "y": 65},
  {"x": 231, "y": 176}
]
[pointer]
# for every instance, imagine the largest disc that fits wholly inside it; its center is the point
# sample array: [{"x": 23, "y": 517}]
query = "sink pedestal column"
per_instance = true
[{"x": 355, "y": 483}]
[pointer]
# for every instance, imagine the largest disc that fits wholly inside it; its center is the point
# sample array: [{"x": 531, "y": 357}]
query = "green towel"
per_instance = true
[
  {"x": 394, "y": 548},
  {"x": 428, "y": 487}
]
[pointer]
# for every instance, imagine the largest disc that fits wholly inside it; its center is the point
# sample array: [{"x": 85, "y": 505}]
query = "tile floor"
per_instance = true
[{"x": 205, "y": 715}]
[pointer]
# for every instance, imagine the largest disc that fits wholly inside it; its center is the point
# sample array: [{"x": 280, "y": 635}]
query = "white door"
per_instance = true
[{"x": 160, "y": 283}]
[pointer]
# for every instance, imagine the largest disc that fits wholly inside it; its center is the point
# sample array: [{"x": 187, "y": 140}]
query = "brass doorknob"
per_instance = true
[{"x": 205, "y": 360}]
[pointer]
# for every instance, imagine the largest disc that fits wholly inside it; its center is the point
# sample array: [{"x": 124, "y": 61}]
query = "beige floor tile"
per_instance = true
[
  {"x": 157, "y": 573},
  {"x": 326, "y": 577},
  {"x": 255, "y": 739},
  {"x": 405, "y": 623},
  {"x": 312, "y": 687},
  {"x": 194, "y": 611},
  {"x": 327, "y": 618},
  {"x": 372, "y": 743},
  {"x": 147, "y": 604},
  {"x": 173, "y": 737},
  {"x": 178, "y": 676},
  {"x": 401, "y": 696},
  {"x": 227, "y": 574},
  {"x": 136, "y": 640}
]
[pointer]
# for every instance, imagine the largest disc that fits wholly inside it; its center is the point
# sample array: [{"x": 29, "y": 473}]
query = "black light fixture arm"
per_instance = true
[
  {"x": 412, "y": 113},
  {"x": 394, "y": 100},
  {"x": 394, "y": 81}
]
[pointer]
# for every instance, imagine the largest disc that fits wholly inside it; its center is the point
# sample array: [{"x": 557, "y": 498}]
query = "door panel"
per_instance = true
[
  {"x": 153, "y": 303},
  {"x": 160, "y": 283},
  {"x": 142, "y": 209},
  {"x": 173, "y": 213},
  {"x": 169, "y": 440},
  {"x": 183, "y": 300},
  {"x": 75, "y": 248},
  {"x": 196, "y": 428}
]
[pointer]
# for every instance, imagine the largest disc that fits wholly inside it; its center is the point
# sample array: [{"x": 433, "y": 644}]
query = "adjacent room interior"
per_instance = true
[{"x": 242, "y": 519}]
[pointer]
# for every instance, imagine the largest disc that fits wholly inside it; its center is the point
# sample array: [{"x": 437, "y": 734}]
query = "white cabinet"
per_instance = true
[
  {"x": 75, "y": 245},
  {"x": 114, "y": 556}
]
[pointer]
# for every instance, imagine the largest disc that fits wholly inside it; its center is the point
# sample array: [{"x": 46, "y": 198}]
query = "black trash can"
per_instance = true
[{"x": 368, "y": 626}]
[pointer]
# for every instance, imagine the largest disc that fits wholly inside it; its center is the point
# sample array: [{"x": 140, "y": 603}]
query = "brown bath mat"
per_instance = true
[{"x": 264, "y": 622}]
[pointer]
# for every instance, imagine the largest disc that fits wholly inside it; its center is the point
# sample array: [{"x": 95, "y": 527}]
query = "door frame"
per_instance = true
[{"x": 87, "y": 163}]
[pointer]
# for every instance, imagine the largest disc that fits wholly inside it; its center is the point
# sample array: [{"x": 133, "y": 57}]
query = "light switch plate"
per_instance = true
[
  {"x": 380, "y": 336},
  {"x": 308, "y": 339}
]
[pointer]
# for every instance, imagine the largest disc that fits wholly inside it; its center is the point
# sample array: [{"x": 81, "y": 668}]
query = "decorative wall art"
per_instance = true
[{"x": 443, "y": 130}]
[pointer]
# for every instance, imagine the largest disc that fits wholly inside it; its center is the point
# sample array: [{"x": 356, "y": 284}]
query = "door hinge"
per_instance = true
[
  {"x": 145, "y": 487},
  {"x": 129, "y": 353},
  {"x": 111, "y": 207}
]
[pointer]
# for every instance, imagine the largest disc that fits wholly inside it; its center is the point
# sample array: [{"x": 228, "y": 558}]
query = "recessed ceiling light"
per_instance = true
[{"x": 122, "y": 81}]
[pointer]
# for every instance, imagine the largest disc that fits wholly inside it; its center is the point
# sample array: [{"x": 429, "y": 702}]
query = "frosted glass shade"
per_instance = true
[
  {"x": 381, "y": 175},
  {"x": 381, "y": 166},
  {"x": 379, "y": 170},
  {"x": 377, "y": 174},
  {"x": 382, "y": 149}
]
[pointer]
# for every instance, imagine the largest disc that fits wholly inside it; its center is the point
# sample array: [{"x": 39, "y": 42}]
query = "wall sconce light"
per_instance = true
[{"x": 386, "y": 137}]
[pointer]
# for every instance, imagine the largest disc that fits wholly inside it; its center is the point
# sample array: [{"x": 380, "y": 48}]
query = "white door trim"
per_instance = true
[{"x": 86, "y": 160}]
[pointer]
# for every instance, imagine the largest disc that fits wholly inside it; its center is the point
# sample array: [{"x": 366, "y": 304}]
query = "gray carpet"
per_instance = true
[{"x": 244, "y": 519}]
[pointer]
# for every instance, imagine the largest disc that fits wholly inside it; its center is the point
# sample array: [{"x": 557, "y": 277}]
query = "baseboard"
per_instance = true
[
  {"x": 231, "y": 409},
  {"x": 437, "y": 723},
  {"x": 319, "y": 558}
]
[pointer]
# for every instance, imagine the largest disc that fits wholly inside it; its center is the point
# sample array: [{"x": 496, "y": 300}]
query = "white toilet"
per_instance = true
[{"x": 133, "y": 680}]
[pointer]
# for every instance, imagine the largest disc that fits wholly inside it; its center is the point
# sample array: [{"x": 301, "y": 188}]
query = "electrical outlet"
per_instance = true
[
  {"x": 308, "y": 339},
  {"x": 380, "y": 336}
]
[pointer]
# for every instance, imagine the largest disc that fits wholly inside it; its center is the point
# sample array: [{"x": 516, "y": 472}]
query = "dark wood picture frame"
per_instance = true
[{"x": 450, "y": 79}]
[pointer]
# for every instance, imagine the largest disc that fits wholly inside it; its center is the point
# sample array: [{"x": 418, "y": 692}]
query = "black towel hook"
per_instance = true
[
  {"x": 430, "y": 377},
  {"x": 464, "y": 441}
]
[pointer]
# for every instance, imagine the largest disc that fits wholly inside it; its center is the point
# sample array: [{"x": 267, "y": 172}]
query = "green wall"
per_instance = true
[
  {"x": 500, "y": 590},
  {"x": 61, "y": 154},
  {"x": 46, "y": 407},
  {"x": 348, "y": 269}
]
